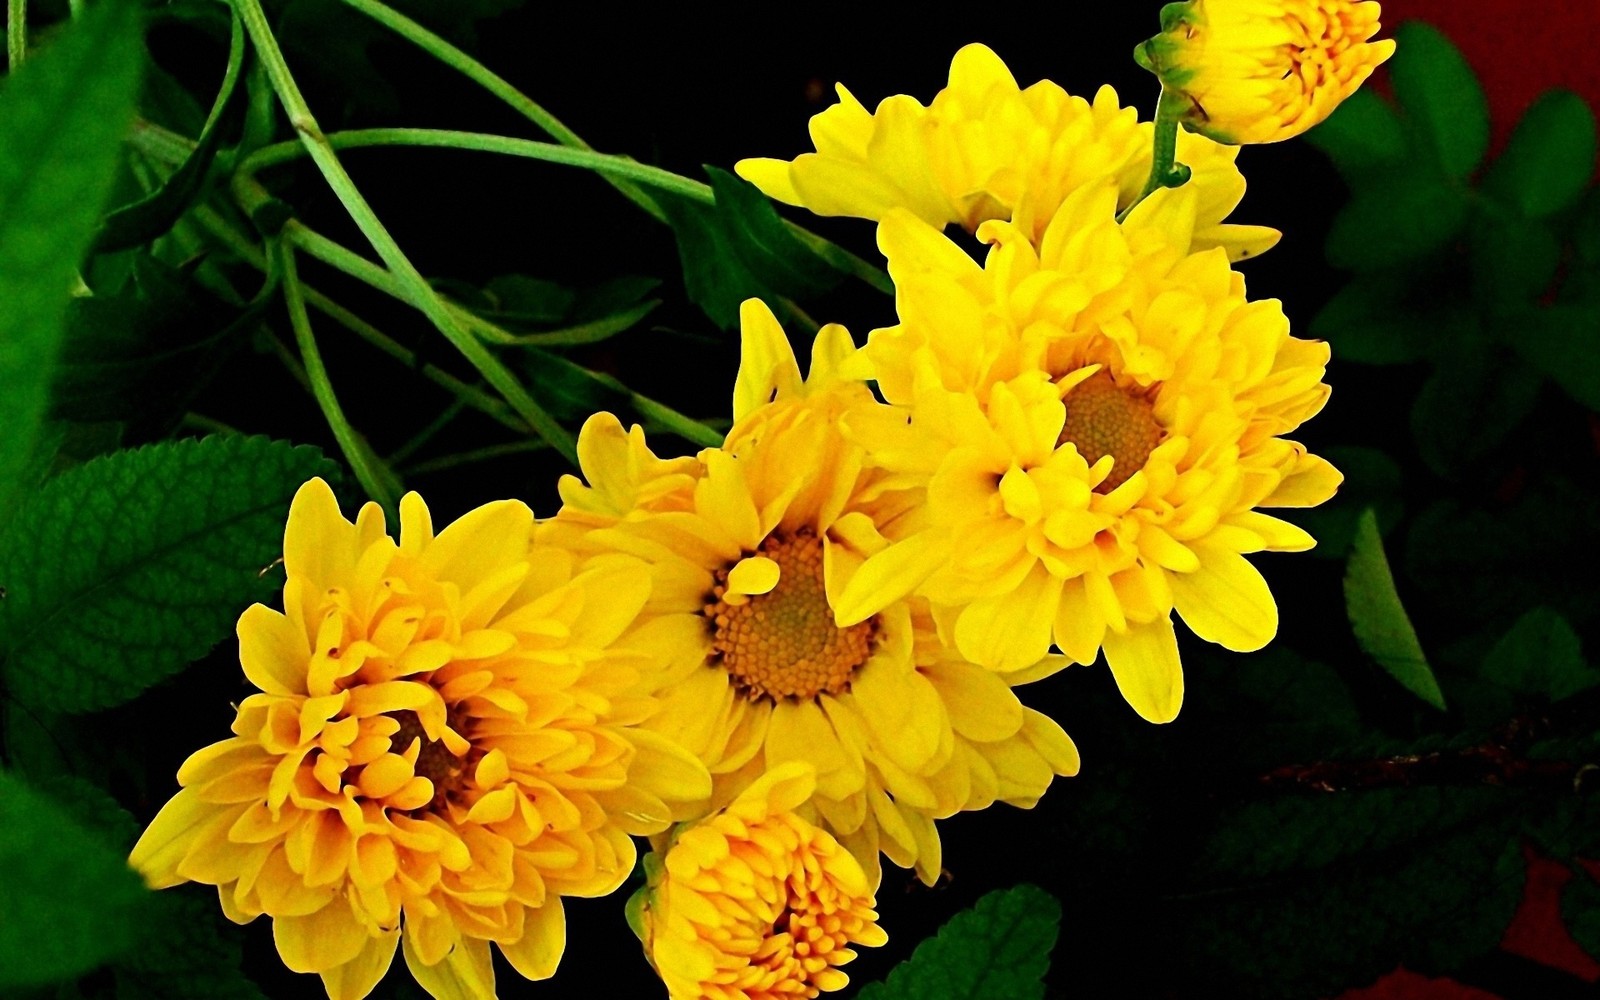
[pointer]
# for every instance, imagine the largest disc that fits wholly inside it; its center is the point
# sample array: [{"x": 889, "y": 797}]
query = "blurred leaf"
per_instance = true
[
  {"x": 1305, "y": 894},
  {"x": 1381, "y": 625},
  {"x": 1493, "y": 565},
  {"x": 1363, "y": 133},
  {"x": 62, "y": 117},
  {"x": 94, "y": 808},
  {"x": 186, "y": 953},
  {"x": 1513, "y": 261},
  {"x": 521, "y": 299},
  {"x": 1580, "y": 910},
  {"x": 1549, "y": 159},
  {"x": 141, "y": 355},
  {"x": 1540, "y": 657},
  {"x": 1400, "y": 215},
  {"x": 1562, "y": 342},
  {"x": 999, "y": 948},
  {"x": 1298, "y": 708},
  {"x": 570, "y": 391},
  {"x": 71, "y": 901},
  {"x": 1477, "y": 395},
  {"x": 121, "y": 571},
  {"x": 1375, "y": 320},
  {"x": 142, "y": 221},
  {"x": 1440, "y": 95},
  {"x": 1371, "y": 479}
]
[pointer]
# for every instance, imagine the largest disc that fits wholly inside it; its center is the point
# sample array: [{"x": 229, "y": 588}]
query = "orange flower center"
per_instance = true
[
  {"x": 784, "y": 643},
  {"x": 1105, "y": 419}
]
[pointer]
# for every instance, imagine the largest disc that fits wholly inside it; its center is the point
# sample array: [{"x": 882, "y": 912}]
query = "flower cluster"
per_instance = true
[{"x": 789, "y": 657}]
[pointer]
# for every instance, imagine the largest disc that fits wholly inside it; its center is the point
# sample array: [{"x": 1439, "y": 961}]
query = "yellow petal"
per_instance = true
[
  {"x": 767, "y": 367},
  {"x": 273, "y": 650},
  {"x": 466, "y": 973},
  {"x": 1144, "y": 661},
  {"x": 162, "y": 846},
  {"x": 753, "y": 575},
  {"x": 887, "y": 577},
  {"x": 1226, "y": 601},
  {"x": 319, "y": 941},
  {"x": 356, "y": 978},
  {"x": 980, "y": 704},
  {"x": 544, "y": 937},
  {"x": 1011, "y": 631},
  {"x": 481, "y": 543}
]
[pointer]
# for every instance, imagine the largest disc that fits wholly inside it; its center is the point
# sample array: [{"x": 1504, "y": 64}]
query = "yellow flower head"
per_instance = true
[
  {"x": 1095, "y": 421},
  {"x": 442, "y": 748},
  {"x": 986, "y": 149},
  {"x": 749, "y": 556},
  {"x": 1263, "y": 70},
  {"x": 755, "y": 903}
]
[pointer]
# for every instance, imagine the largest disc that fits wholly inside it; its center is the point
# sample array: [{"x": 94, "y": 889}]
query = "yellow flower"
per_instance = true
[
  {"x": 1262, "y": 70},
  {"x": 442, "y": 748},
  {"x": 748, "y": 556},
  {"x": 1095, "y": 421},
  {"x": 755, "y": 903},
  {"x": 986, "y": 149}
]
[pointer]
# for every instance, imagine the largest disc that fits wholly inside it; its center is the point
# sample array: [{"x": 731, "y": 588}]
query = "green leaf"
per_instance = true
[
  {"x": 1377, "y": 320},
  {"x": 1363, "y": 133},
  {"x": 1440, "y": 95},
  {"x": 1580, "y": 909},
  {"x": 1297, "y": 707},
  {"x": 186, "y": 953},
  {"x": 1549, "y": 159},
  {"x": 1477, "y": 395},
  {"x": 1562, "y": 342},
  {"x": 1513, "y": 261},
  {"x": 121, "y": 571},
  {"x": 999, "y": 948},
  {"x": 1379, "y": 619},
  {"x": 135, "y": 224},
  {"x": 71, "y": 901},
  {"x": 1371, "y": 479},
  {"x": 1399, "y": 216},
  {"x": 1540, "y": 657},
  {"x": 1304, "y": 894},
  {"x": 62, "y": 117}
]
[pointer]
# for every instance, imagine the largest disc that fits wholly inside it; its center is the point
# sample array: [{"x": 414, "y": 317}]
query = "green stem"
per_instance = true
[
  {"x": 201, "y": 422},
  {"x": 496, "y": 85},
  {"x": 1164, "y": 171},
  {"x": 458, "y": 459},
  {"x": 420, "y": 293},
  {"x": 355, "y": 450},
  {"x": 422, "y": 437},
  {"x": 606, "y": 164},
  {"x": 16, "y": 33}
]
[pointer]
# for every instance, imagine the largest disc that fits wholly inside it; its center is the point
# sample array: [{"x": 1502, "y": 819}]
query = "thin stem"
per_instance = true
[
  {"x": 355, "y": 450},
  {"x": 422, "y": 437},
  {"x": 201, "y": 422},
  {"x": 16, "y": 33},
  {"x": 420, "y": 293},
  {"x": 459, "y": 459},
  {"x": 1164, "y": 171},
  {"x": 76, "y": 8},
  {"x": 496, "y": 85},
  {"x": 290, "y": 361}
]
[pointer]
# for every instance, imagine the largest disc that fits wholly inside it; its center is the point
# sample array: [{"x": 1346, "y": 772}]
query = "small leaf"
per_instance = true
[
  {"x": 1549, "y": 159},
  {"x": 1375, "y": 320},
  {"x": 121, "y": 571},
  {"x": 1363, "y": 133},
  {"x": 1562, "y": 342},
  {"x": 999, "y": 948},
  {"x": 62, "y": 116},
  {"x": 70, "y": 900},
  {"x": 1379, "y": 619},
  {"x": 1440, "y": 95},
  {"x": 1399, "y": 216},
  {"x": 1476, "y": 397},
  {"x": 1540, "y": 657},
  {"x": 1513, "y": 261}
]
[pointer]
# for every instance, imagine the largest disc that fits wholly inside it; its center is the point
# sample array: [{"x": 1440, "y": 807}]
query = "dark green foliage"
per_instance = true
[
  {"x": 1548, "y": 162},
  {"x": 71, "y": 901},
  {"x": 1379, "y": 619},
  {"x": 999, "y": 948},
  {"x": 1580, "y": 905},
  {"x": 116, "y": 575},
  {"x": 186, "y": 952},
  {"x": 1440, "y": 95},
  {"x": 61, "y": 118}
]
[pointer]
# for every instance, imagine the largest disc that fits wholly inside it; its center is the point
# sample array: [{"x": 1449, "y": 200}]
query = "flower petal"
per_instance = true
[{"x": 1144, "y": 661}]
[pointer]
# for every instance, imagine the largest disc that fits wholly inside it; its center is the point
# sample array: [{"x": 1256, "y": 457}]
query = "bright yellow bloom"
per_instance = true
[
  {"x": 986, "y": 149},
  {"x": 1094, "y": 420},
  {"x": 1263, "y": 70},
  {"x": 755, "y": 903},
  {"x": 750, "y": 546},
  {"x": 442, "y": 748}
]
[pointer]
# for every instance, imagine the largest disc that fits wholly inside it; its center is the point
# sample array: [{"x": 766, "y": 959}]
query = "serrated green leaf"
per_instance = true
[
  {"x": 1477, "y": 395},
  {"x": 71, "y": 901},
  {"x": 1371, "y": 479},
  {"x": 121, "y": 571},
  {"x": 186, "y": 953},
  {"x": 93, "y": 808},
  {"x": 1562, "y": 342},
  {"x": 1440, "y": 95},
  {"x": 999, "y": 948},
  {"x": 1549, "y": 159},
  {"x": 1379, "y": 619},
  {"x": 1363, "y": 133},
  {"x": 1540, "y": 657},
  {"x": 1399, "y": 216},
  {"x": 62, "y": 117}
]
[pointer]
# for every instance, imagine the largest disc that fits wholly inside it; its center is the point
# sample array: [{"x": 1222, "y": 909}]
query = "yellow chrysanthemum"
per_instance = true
[
  {"x": 755, "y": 903},
  {"x": 986, "y": 149},
  {"x": 749, "y": 554},
  {"x": 442, "y": 748},
  {"x": 1263, "y": 70},
  {"x": 1095, "y": 421}
]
